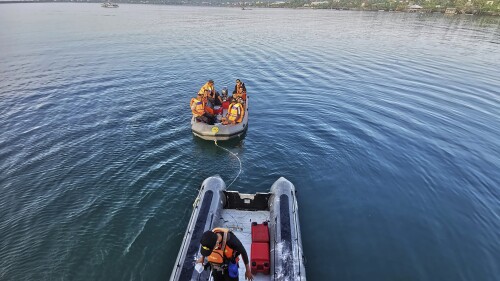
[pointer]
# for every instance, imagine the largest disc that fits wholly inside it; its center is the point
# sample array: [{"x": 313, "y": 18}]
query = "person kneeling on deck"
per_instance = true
[
  {"x": 222, "y": 248},
  {"x": 235, "y": 112},
  {"x": 198, "y": 108}
]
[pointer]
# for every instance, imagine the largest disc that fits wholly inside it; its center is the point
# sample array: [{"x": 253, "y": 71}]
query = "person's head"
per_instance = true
[
  {"x": 233, "y": 100},
  {"x": 210, "y": 82},
  {"x": 238, "y": 82},
  {"x": 240, "y": 100},
  {"x": 209, "y": 241},
  {"x": 200, "y": 95}
]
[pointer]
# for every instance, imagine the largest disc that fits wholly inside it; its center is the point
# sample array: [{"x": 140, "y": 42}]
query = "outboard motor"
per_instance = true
[{"x": 224, "y": 94}]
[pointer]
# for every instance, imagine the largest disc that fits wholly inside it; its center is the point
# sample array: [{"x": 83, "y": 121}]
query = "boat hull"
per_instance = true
[{"x": 219, "y": 131}]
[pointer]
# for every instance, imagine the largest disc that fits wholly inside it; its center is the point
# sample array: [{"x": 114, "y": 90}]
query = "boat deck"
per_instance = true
[{"x": 240, "y": 223}]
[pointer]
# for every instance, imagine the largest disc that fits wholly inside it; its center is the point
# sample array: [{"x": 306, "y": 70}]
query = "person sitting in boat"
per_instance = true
[
  {"x": 209, "y": 91},
  {"x": 199, "y": 110},
  {"x": 235, "y": 112},
  {"x": 214, "y": 103},
  {"x": 240, "y": 91},
  {"x": 207, "y": 86},
  {"x": 213, "y": 97},
  {"x": 222, "y": 249}
]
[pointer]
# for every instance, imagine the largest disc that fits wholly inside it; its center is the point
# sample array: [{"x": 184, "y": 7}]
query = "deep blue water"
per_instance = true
[{"x": 388, "y": 124}]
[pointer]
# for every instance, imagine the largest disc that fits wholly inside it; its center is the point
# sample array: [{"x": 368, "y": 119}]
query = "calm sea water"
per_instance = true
[{"x": 388, "y": 124}]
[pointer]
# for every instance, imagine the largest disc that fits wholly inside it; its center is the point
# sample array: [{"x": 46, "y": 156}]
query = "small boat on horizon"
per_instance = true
[
  {"x": 109, "y": 5},
  {"x": 267, "y": 224}
]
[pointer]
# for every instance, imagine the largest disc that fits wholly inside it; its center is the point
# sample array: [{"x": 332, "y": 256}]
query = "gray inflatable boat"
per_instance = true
[
  {"x": 218, "y": 131},
  {"x": 276, "y": 210}
]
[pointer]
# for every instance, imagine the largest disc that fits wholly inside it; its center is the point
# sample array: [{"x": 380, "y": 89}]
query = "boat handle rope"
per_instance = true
[{"x": 234, "y": 154}]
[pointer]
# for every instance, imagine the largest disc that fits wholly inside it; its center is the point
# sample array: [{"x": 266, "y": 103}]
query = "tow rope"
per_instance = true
[{"x": 234, "y": 154}]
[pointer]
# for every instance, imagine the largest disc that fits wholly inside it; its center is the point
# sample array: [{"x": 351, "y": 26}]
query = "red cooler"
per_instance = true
[
  {"x": 259, "y": 260},
  {"x": 260, "y": 232}
]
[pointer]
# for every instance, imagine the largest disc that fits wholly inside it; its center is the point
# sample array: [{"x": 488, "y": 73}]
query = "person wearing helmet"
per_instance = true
[{"x": 222, "y": 249}]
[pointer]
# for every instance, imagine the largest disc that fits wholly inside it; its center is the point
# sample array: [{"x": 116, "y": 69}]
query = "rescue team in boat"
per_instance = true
[
  {"x": 221, "y": 248},
  {"x": 208, "y": 103}
]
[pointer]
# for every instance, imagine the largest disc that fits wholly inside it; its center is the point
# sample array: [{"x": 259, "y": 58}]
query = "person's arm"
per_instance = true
[{"x": 236, "y": 245}]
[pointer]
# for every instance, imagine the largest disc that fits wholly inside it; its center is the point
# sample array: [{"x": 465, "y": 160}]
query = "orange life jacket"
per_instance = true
[
  {"x": 233, "y": 112},
  {"x": 207, "y": 87},
  {"x": 199, "y": 109},
  {"x": 223, "y": 254}
]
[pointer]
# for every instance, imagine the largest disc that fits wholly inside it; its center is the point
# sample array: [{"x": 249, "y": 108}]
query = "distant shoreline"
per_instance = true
[{"x": 270, "y": 6}]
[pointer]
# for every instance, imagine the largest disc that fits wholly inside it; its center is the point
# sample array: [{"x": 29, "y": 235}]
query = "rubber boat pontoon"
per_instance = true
[
  {"x": 218, "y": 131},
  {"x": 277, "y": 211}
]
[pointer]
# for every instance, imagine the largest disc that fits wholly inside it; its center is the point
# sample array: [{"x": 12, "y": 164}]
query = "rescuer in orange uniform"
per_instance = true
[
  {"x": 221, "y": 248},
  {"x": 235, "y": 112},
  {"x": 199, "y": 109}
]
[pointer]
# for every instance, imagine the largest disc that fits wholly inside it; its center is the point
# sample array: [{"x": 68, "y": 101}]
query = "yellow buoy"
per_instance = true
[{"x": 215, "y": 130}]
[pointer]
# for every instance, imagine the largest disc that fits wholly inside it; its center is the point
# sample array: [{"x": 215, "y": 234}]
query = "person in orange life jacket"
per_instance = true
[
  {"x": 240, "y": 91},
  {"x": 221, "y": 247},
  {"x": 198, "y": 108},
  {"x": 235, "y": 112},
  {"x": 207, "y": 86},
  {"x": 208, "y": 89}
]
